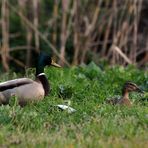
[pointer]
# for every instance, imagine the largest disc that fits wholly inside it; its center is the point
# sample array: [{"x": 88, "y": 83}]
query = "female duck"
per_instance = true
[
  {"x": 124, "y": 100},
  {"x": 25, "y": 89}
]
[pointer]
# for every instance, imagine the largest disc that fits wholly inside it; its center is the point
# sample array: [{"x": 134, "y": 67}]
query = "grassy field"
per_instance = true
[{"x": 94, "y": 124}]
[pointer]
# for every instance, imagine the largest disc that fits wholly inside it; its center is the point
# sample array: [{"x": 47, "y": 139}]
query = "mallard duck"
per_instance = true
[
  {"x": 26, "y": 89},
  {"x": 124, "y": 100}
]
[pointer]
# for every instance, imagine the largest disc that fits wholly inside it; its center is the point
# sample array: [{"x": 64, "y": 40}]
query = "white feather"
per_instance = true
[{"x": 65, "y": 107}]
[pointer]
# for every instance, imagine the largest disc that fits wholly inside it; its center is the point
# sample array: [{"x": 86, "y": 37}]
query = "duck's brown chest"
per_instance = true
[{"x": 125, "y": 101}]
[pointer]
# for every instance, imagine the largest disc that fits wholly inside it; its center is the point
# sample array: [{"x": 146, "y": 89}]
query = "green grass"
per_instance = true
[{"x": 94, "y": 124}]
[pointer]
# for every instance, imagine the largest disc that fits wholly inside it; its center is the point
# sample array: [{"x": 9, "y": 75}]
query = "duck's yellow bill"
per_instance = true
[{"x": 55, "y": 64}]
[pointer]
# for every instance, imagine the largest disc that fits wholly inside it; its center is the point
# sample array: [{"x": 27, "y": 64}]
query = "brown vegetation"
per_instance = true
[{"x": 78, "y": 31}]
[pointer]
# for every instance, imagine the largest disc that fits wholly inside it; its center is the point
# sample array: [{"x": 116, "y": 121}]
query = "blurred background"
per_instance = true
[{"x": 74, "y": 32}]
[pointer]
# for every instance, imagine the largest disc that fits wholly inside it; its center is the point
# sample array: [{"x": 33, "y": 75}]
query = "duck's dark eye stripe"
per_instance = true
[
  {"x": 131, "y": 84},
  {"x": 132, "y": 87},
  {"x": 11, "y": 86}
]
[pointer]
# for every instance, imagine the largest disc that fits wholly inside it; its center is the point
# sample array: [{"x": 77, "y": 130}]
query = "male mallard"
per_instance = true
[
  {"x": 124, "y": 100},
  {"x": 25, "y": 89}
]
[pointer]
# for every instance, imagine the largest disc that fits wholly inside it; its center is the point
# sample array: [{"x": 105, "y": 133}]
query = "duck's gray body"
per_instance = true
[{"x": 24, "y": 89}]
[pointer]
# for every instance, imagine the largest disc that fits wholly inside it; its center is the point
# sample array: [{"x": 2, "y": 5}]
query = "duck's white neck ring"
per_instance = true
[{"x": 41, "y": 74}]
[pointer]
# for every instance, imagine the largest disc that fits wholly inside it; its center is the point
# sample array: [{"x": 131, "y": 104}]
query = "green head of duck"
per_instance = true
[{"x": 44, "y": 60}]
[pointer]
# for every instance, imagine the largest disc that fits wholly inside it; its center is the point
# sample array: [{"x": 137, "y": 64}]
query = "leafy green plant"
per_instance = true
[{"x": 65, "y": 91}]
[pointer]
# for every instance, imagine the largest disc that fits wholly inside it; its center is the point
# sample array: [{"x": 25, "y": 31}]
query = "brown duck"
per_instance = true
[{"x": 124, "y": 100}]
